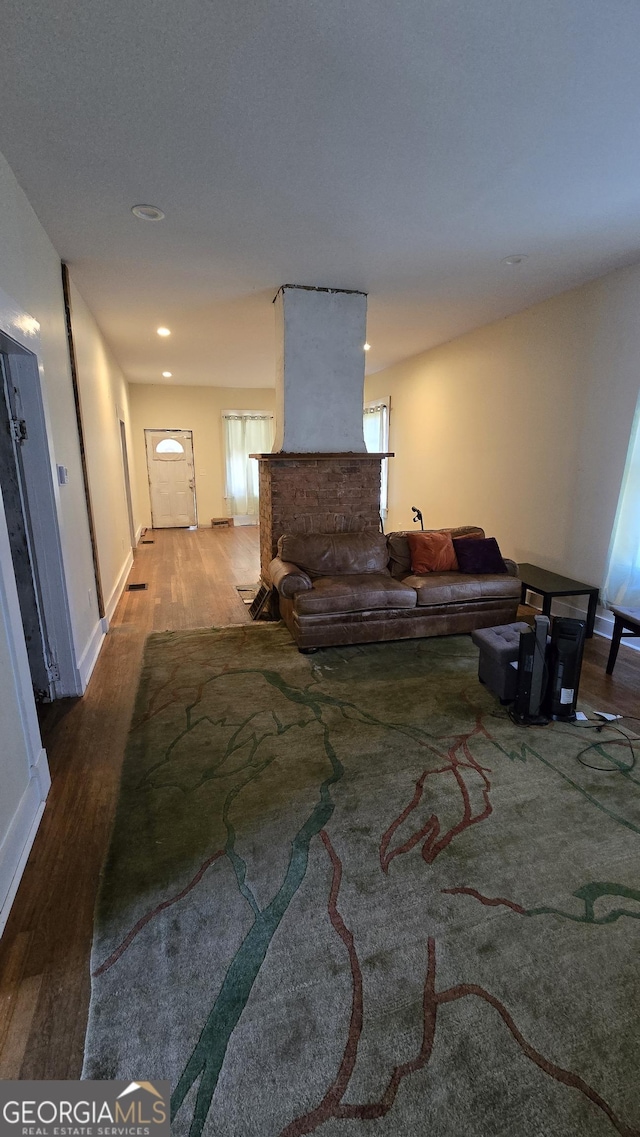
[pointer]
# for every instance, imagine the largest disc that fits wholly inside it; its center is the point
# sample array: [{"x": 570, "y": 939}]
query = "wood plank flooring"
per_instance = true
[{"x": 191, "y": 578}]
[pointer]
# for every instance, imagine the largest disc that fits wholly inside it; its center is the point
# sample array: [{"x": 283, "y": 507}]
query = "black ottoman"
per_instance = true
[{"x": 499, "y": 648}]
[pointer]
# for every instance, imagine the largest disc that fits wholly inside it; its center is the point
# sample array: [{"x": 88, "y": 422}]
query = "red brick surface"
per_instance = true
[{"x": 332, "y": 495}]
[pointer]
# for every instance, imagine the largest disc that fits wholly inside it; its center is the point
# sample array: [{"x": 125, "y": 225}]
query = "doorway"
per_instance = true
[
  {"x": 127, "y": 482},
  {"x": 20, "y": 534},
  {"x": 29, "y": 502},
  {"x": 172, "y": 485}
]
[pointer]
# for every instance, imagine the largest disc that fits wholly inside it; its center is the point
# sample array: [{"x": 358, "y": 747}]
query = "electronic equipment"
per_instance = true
[
  {"x": 532, "y": 673},
  {"x": 565, "y": 663}
]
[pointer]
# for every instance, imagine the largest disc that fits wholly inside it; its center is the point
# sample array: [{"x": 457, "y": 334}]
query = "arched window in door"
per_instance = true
[{"x": 169, "y": 446}]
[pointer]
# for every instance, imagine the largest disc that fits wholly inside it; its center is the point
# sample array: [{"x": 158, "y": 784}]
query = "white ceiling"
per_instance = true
[{"x": 402, "y": 147}]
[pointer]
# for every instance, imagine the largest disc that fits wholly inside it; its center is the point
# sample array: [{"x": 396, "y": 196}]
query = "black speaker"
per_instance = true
[
  {"x": 532, "y": 672},
  {"x": 565, "y": 663}
]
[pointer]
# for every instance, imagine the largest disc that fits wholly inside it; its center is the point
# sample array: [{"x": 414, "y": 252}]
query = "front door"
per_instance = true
[{"x": 171, "y": 478}]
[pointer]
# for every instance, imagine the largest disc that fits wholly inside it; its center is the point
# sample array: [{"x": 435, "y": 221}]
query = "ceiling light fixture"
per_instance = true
[
  {"x": 367, "y": 347},
  {"x": 147, "y": 212},
  {"x": 514, "y": 259},
  {"x": 166, "y": 374},
  {"x": 164, "y": 332}
]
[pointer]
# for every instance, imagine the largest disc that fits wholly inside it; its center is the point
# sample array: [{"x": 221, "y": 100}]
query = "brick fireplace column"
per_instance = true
[
  {"x": 316, "y": 493},
  {"x": 319, "y": 478}
]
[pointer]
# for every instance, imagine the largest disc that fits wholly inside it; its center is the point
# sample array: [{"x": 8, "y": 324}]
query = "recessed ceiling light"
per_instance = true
[
  {"x": 166, "y": 374},
  {"x": 514, "y": 259},
  {"x": 367, "y": 347},
  {"x": 147, "y": 212},
  {"x": 164, "y": 332}
]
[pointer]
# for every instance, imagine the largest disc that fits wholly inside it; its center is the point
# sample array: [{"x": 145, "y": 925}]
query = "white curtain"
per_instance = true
[
  {"x": 376, "y": 440},
  {"x": 245, "y": 435},
  {"x": 622, "y": 584}
]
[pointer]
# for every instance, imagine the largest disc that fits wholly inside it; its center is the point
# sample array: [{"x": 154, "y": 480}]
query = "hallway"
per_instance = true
[{"x": 191, "y": 578}]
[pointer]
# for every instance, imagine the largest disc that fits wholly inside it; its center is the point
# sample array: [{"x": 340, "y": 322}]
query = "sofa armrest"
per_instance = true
[
  {"x": 511, "y": 566},
  {"x": 288, "y": 578}
]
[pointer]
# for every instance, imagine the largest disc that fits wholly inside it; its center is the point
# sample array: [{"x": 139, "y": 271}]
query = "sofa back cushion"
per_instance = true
[
  {"x": 432, "y": 552},
  {"x": 335, "y": 554},
  {"x": 400, "y": 553},
  {"x": 479, "y": 556}
]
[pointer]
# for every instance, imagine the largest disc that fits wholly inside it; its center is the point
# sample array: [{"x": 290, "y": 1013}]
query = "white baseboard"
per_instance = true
[
  {"x": 89, "y": 657},
  {"x": 118, "y": 587},
  {"x": 17, "y": 843},
  {"x": 139, "y": 532},
  {"x": 41, "y": 771},
  {"x": 562, "y": 607}
]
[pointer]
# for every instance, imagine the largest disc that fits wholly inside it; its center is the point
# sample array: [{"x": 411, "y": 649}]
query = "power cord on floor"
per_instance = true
[
  {"x": 598, "y": 725},
  {"x": 625, "y": 740}
]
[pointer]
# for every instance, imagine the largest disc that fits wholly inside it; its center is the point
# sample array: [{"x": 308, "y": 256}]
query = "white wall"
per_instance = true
[
  {"x": 30, "y": 274},
  {"x": 24, "y": 773},
  {"x": 523, "y": 426},
  {"x": 30, "y": 277},
  {"x": 320, "y": 369},
  {"x": 198, "y": 409},
  {"x": 104, "y": 399}
]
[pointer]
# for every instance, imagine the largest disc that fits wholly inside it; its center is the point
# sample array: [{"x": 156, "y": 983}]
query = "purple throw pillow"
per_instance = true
[{"x": 478, "y": 555}]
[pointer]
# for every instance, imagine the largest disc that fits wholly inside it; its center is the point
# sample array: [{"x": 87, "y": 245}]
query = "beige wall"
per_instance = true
[
  {"x": 30, "y": 277},
  {"x": 104, "y": 399},
  {"x": 191, "y": 408},
  {"x": 522, "y": 427},
  {"x": 30, "y": 274}
]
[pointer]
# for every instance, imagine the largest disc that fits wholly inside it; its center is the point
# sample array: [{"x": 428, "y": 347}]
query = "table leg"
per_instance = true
[
  {"x": 546, "y": 605},
  {"x": 523, "y": 593},
  {"x": 615, "y": 644},
  {"x": 591, "y": 613}
]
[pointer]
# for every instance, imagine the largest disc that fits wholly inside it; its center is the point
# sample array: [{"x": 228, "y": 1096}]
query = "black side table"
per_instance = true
[{"x": 550, "y": 584}]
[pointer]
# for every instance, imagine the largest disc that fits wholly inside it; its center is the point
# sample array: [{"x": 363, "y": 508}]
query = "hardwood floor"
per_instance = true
[{"x": 191, "y": 579}]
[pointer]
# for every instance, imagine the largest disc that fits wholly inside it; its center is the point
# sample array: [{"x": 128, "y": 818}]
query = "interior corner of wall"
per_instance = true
[
  {"x": 41, "y": 771},
  {"x": 118, "y": 588},
  {"x": 89, "y": 657}
]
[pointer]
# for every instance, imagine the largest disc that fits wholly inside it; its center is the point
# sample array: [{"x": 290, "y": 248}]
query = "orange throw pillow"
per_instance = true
[{"x": 432, "y": 552}]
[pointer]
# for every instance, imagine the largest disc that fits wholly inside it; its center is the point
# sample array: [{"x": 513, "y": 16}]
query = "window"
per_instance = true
[
  {"x": 622, "y": 584},
  {"x": 245, "y": 433},
  {"x": 376, "y": 440},
  {"x": 169, "y": 446}
]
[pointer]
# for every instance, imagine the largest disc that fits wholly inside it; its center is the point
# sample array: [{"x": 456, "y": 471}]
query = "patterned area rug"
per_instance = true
[{"x": 347, "y": 896}]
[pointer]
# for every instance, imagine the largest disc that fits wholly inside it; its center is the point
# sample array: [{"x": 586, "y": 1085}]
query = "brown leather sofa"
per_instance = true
[{"x": 348, "y": 588}]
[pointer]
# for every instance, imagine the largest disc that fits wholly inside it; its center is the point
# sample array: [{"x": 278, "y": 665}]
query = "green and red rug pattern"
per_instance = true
[{"x": 346, "y": 895}]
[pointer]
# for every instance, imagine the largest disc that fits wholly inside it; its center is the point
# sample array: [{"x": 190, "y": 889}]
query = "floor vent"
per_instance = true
[
  {"x": 247, "y": 593},
  {"x": 260, "y": 601},
  {"x": 136, "y": 587},
  {"x": 147, "y": 541}
]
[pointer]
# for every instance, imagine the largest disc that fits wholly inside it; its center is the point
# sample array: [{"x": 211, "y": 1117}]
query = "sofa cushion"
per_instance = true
[
  {"x": 432, "y": 552},
  {"x": 400, "y": 554},
  {"x": 332, "y": 554},
  {"x": 457, "y": 587},
  {"x": 479, "y": 556},
  {"x": 357, "y": 592}
]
